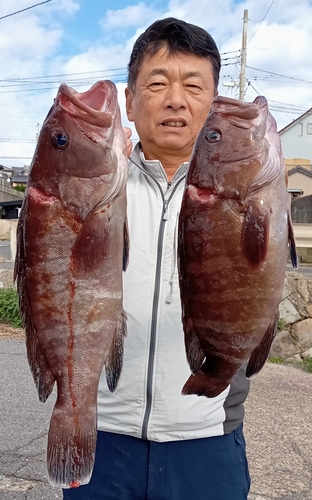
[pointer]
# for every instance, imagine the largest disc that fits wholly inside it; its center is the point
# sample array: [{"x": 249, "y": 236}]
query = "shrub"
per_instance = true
[
  {"x": 307, "y": 364},
  {"x": 20, "y": 188},
  {"x": 9, "y": 309},
  {"x": 276, "y": 360},
  {"x": 281, "y": 324}
]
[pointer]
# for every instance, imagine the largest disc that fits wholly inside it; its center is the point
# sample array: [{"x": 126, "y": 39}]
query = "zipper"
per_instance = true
[
  {"x": 151, "y": 355},
  {"x": 173, "y": 261}
]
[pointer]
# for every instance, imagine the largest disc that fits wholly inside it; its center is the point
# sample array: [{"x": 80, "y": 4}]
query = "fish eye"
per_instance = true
[
  {"x": 59, "y": 140},
  {"x": 213, "y": 136}
]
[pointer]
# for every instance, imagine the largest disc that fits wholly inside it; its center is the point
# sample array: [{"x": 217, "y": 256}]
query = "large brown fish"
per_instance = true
[
  {"x": 72, "y": 246},
  {"x": 234, "y": 228}
]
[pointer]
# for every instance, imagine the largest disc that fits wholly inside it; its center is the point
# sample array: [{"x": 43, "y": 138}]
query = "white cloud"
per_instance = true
[
  {"x": 98, "y": 58},
  {"x": 132, "y": 15}
]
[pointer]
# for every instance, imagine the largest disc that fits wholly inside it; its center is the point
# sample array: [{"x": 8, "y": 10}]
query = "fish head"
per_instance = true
[
  {"x": 231, "y": 153},
  {"x": 81, "y": 144}
]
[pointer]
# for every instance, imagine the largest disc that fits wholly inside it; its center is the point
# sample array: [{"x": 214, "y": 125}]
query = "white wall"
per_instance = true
[{"x": 297, "y": 140}]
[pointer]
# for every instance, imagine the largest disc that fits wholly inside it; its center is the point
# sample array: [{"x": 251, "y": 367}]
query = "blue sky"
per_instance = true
[{"x": 82, "y": 41}]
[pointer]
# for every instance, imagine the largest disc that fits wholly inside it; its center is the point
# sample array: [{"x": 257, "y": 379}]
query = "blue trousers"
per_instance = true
[{"x": 128, "y": 468}]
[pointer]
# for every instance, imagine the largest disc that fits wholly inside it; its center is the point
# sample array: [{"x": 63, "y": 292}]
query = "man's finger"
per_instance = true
[{"x": 128, "y": 133}]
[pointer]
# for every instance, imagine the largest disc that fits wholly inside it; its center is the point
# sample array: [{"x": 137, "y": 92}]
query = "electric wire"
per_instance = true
[
  {"x": 261, "y": 22},
  {"x": 23, "y": 10}
]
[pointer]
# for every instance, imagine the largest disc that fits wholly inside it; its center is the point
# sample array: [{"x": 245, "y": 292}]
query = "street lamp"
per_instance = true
[{"x": 5, "y": 177}]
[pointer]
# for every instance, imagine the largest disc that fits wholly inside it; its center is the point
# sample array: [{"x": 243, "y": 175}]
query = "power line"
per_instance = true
[
  {"x": 16, "y": 157},
  {"x": 261, "y": 21},
  {"x": 277, "y": 74},
  {"x": 2, "y": 139},
  {"x": 230, "y": 52},
  {"x": 23, "y": 10},
  {"x": 300, "y": 108},
  {"x": 61, "y": 75},
  {"x": 291, "y": 107},
  {"x": 96, "y": 73}
]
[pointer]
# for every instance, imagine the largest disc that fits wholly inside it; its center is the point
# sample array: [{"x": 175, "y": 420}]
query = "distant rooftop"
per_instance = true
[{"x": 20, "y": 179}]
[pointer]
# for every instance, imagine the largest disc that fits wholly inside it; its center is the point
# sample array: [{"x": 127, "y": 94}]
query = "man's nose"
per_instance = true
[{"x": 175, "y": 97}]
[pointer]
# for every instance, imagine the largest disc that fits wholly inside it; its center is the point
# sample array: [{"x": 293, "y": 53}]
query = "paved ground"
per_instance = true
[
  {"x": 23, "y": 429},
  {"x": 278, "y": 430}
]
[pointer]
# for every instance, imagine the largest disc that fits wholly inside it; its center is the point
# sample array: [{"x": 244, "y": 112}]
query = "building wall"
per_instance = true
[
  {"x": 297, "y": 139},
  {"x": 300, "y": 181},
  {"x": 294, "y": 162},
  {"x": 301, "y": 210}
]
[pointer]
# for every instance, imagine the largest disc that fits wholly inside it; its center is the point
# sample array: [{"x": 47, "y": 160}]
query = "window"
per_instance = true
[
  {"x": 309, "y": 128},
  {"x": 300, "y": 129}
]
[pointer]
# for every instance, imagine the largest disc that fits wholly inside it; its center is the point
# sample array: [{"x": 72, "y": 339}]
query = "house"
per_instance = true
[
  {"x": 300, "y": 180},
  {"x": 10, "y": 201},
  {"x": 296, "y": 139},
  {"x": 19, "y": 180},
  {"x": 20, "y": 176}
]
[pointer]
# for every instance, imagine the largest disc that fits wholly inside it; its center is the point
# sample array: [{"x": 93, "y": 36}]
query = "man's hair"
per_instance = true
[{"x": 177, "y": 37}]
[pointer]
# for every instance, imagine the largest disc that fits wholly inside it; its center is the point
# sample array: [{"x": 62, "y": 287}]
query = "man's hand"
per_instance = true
[{"x": 128, "y": 133}]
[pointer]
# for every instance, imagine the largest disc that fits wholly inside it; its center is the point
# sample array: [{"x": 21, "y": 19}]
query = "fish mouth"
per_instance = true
[{"x": 95, "y": 106}]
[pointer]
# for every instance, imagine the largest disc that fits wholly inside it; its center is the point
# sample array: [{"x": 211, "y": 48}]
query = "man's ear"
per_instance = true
[{"x": 129, "y": 99}]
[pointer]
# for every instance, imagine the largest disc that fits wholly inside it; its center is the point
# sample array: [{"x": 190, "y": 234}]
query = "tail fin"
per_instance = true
[{"x": 71, "y": 448}]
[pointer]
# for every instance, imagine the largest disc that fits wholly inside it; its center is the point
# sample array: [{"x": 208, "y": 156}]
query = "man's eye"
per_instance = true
[
  {"x": 157, "y": 84},
  {"x": 192, "y": 87}
]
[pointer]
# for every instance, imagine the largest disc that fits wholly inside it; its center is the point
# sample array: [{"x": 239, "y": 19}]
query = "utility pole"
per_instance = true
[{"x": 243, "y": 58}]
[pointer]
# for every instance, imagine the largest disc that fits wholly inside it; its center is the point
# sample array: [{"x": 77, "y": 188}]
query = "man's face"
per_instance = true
[{"x": 170, "y": 103}]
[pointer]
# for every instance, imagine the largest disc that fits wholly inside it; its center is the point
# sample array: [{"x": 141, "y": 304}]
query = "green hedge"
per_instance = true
[{"x": 9, "y": 309}]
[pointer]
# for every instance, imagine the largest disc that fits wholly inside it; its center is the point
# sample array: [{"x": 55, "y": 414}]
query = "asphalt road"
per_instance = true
[
  {"x": 5, "y": 250},
  {"x": 278, "y": 430},
  {"x": 23, "y": 429},
  {"x": 305, "y": 270}
]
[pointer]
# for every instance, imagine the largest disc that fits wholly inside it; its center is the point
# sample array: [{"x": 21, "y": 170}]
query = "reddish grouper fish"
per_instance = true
[
  {"x": 234, "y": 230},
  {"x": 73, "y": 244}
]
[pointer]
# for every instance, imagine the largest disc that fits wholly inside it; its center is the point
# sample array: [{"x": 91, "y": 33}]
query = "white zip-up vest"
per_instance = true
[{"x": 147, "y": 402}]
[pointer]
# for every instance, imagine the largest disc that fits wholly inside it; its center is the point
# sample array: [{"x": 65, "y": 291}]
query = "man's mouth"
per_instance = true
[{"x": 173, "y": 124}]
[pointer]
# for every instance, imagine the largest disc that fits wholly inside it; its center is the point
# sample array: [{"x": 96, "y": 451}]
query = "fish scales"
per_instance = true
[
  {"x": 234, "y": 229},
  {"x": 72, "y": 243}
]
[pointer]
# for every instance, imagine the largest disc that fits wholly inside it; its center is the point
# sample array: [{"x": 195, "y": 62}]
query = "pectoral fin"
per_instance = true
[
  {"x": 91, "y": 245},
  {"x": 255, "y": 234}
]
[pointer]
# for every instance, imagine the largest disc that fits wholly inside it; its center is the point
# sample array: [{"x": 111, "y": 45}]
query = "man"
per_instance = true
[{"x": 154, "y": 443}]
